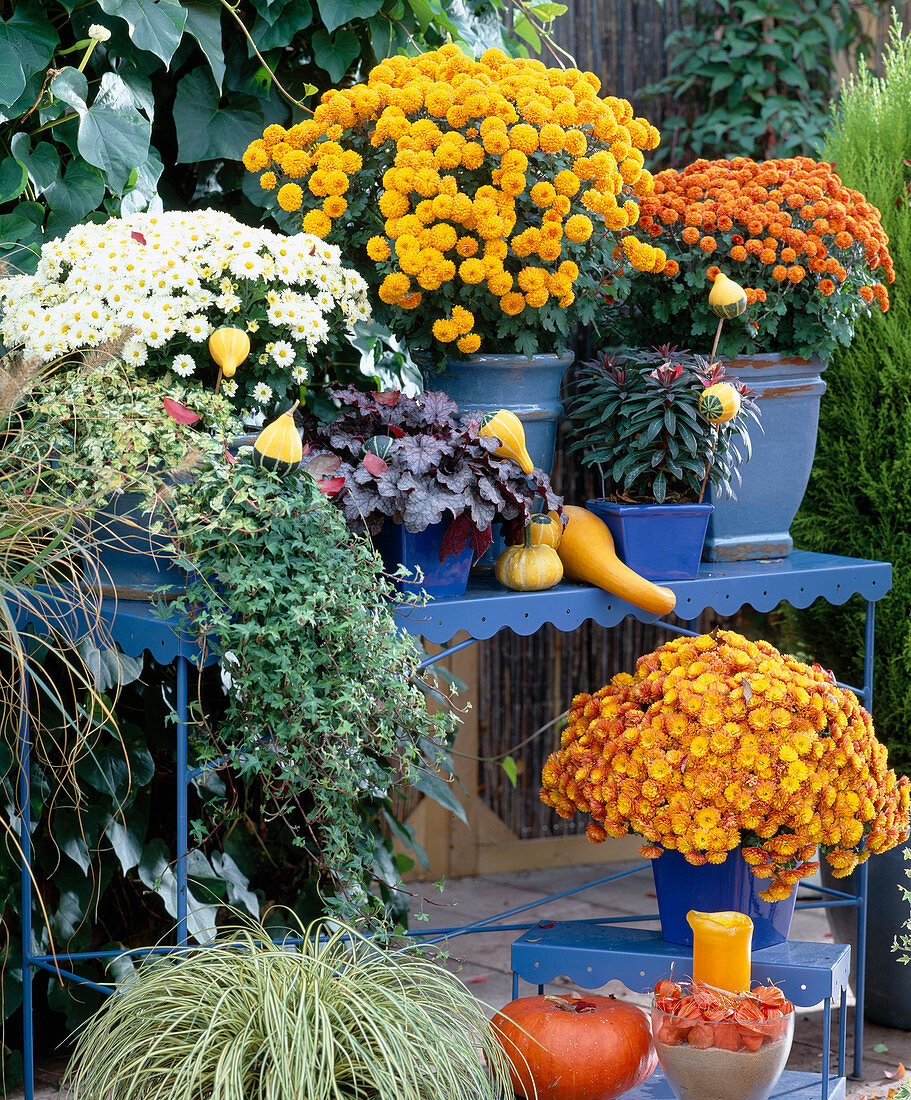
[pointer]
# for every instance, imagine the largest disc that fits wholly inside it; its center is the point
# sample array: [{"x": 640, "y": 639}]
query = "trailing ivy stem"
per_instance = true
[{"x": 711, "y": 457}]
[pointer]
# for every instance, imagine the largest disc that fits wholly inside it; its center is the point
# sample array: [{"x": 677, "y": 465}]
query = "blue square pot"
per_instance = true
[
  {"x": 421, "y": 549},
  {"x": 661, "y": 542}
]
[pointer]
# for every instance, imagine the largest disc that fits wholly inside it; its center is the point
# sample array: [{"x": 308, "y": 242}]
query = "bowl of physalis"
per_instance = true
[{"x": 715, "y": 1045}]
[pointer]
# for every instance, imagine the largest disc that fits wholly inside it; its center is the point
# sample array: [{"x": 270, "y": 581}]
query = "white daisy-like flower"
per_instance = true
[
  {"x": 228, "y": 387},
  {"x": 197, "y": 327},
  {"x": 299, "y": 374},
  {"x": 283, "y": 353},
  {"x": 262, "y": 394},
  {"x": 135, "y": 352},
  {"x": 183, "y": 365},
  {"x": 98, "y": 33}
]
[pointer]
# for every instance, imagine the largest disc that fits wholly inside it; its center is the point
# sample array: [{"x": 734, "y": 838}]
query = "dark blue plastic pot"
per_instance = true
[
  {"x": 530, "y": 388},
  {"x": 661, "y": 542},
  {"x": 756, "y": 524},
  {"x": 132, "y": 562},
  {"x": 716, "y": 888},
  {"x": 421, "y": 549}
]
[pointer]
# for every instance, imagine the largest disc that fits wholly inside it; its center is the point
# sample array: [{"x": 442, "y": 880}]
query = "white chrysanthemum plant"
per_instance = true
[{"x": 168, "y": 281}]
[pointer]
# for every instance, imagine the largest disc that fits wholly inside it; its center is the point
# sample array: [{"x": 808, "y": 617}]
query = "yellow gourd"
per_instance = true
[
  {"x": 507, "y": 427},
  {"x": 727, "y": 298},
  {"x": 529, "y": 568},
  {"x": 229, "y": 347},
  {"x": 278, "y": 446},
  {"x": 587, "y": 552},
  {"x": 720, "y": 402},
  {"x": 546, "y": 530}
]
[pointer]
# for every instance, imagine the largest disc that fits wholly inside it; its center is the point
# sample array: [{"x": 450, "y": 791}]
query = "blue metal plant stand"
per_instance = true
[{"x": 485, "y": 610}]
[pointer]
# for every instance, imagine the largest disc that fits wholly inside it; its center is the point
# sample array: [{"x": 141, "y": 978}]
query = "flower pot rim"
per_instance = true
[
  {"x": 694, "y": 507},
  {"x": 498, "y": 357}
]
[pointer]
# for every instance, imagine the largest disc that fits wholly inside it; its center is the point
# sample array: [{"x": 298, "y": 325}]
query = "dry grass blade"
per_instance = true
[{"x": 335, "y": 1017}]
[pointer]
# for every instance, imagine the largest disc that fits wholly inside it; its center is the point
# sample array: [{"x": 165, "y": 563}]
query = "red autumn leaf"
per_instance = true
[
  {"x": 375, "y": 464},
  {"x": 457, "y": 536},
  {"x": 179, "y": 412},
  {"x": 387, "y": 398},
  {"x": 331, "y": 485},
  {"x": 229, "y": 457}
]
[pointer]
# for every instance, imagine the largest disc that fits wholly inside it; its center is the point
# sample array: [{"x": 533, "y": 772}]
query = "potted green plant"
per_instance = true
[
  {"x": 813, "y": 259},
  {"x": 116, "y": 440},
  {"x": 662, "y": 426},
  {"x": 425, "y": 485},
  {"x": 323, "y": 1013},
  {"x": 165, "y": 283},
  {"x": 483, "y": 200}
]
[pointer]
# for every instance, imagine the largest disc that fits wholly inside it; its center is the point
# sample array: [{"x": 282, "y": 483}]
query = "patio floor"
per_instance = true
[{"x": 482, "y": 960}]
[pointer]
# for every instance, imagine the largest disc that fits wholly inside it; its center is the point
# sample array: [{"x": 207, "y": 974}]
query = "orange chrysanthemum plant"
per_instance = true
[
  {"x": 717, "y": 742},
  {"x": 811, "y": 254},
  {"x": 483, "y": 200}
]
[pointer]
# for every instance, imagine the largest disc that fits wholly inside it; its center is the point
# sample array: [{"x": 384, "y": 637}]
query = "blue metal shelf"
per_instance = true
[
  {"x": 791, "y": 1086},
  {"x": 485, "y": 610},
  {"x": 799, "y": 579}
]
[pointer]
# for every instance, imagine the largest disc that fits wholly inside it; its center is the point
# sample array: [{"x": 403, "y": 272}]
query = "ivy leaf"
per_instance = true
[
  {"x": 207, "y": 131},
  {"x": 336, "y": 12},
  {"x": 154, "y": 25},
  {"x": 27, "y": 44},
  {"x": 204, "y": 24},
  {"x": 334, "y": 54}
]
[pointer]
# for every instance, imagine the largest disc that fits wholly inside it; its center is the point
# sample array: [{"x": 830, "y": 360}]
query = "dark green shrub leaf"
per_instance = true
[
  {"x": 27, "y": 44},
  {"x": 336, "y": 12},
  {"x": 204, "y": 24},
  {"x": 154, "y": 25},
  {"x": 205, "y": 131},
  {"x": 335, "y": 54},
  {"x": 42, "y": 163}
]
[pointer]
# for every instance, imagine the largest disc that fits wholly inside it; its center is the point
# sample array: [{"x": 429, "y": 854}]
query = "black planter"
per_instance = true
[{"x": 887, "y": 985}]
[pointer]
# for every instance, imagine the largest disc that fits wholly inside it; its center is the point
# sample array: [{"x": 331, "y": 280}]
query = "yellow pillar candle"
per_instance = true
[{"x": 721, "y": 949}]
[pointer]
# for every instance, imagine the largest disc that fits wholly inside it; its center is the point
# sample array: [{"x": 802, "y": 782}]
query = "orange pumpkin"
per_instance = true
[{"x": 563, "y": 1048}]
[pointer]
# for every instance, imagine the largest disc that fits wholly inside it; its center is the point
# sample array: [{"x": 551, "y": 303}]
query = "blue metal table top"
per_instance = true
[
  {"x": 135, "y": 625},
  {"x": 591, "y": 954},
  {"x": 725, "y": 587}
]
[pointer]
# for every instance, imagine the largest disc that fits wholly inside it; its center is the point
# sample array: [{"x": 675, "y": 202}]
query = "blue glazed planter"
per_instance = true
[
  {"x": 756, "y": 524},
  {"x": 715, "y": 888},
  {"x": 530, "y": 388},
  {"x": 661, "y": 542},
  {"x": 132, "y": 562},
  {"x": 421, "y": 549}
]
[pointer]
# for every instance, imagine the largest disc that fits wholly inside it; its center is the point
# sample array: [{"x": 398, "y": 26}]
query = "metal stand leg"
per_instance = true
[
  {"x": 25, "y": 842},
  {"x": 182, "y": 812}
]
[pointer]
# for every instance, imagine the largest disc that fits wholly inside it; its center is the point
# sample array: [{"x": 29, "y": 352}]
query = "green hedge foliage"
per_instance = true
[{"x": 859, "y": 498}]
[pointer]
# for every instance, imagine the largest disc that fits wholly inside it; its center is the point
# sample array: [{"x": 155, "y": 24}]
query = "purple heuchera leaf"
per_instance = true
[
  {"x": 438, "y": 408},
  {"x": 420, "y": 453}
]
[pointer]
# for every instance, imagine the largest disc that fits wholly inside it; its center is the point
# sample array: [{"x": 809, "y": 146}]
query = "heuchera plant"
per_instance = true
[
  {"x": 409, "y": 460},
  {"x": 638, "y": 420}
]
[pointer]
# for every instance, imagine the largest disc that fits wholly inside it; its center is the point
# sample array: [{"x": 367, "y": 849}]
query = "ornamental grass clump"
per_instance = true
[
  {"x": 716, "y": 742},
  {"x": 327, "y": 1016},
  {"x": 483, "y": 200},
  {"x": 811, "y": 254},
  {"x": 165, "y": 282}
]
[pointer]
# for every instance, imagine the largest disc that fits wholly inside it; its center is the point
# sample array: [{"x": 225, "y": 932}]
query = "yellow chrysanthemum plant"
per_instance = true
[
  {"x": 717, "y": 743},
  {"x": 484, "y": 201}
]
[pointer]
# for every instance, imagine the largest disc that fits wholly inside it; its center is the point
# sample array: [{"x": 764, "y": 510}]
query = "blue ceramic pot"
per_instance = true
[
  {"x": 715, "y": 888},
  {"x": 132, "y": 562},
  {"x": 661, "y": 542},
  {"x": 756, "y": 524},
  {"x": 421, "y": 549},
  {"x": 530, "y": 388}
]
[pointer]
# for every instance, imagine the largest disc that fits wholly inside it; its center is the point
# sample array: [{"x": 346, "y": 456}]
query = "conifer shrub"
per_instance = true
[{"x": 859, "y": 499}]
